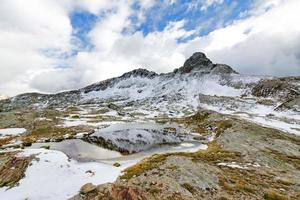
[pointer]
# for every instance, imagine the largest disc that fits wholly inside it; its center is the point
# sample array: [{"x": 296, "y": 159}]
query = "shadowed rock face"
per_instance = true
[
  {"x": 277, "y": 88},
  {"x": 103, "y": 85},
  {"x": 197, "y": 59},
  {"x": 143, "y": 73},
  {"x": 199, "y": 62},
  {"x": 222, "y": 69}
]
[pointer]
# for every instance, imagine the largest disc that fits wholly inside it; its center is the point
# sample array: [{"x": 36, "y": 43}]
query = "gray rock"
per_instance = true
[
  {"x": 222, "y": 69},
  {"x": 86, "y": 188}
]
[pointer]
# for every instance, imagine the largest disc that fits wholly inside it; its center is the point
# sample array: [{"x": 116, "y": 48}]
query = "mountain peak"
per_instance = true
[
  {"x": 199, "y": 62},
  {"x": 198, "y": 58}
]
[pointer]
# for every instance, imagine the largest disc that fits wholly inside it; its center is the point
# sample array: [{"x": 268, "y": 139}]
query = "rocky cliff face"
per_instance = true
[{"x": 199, "y": 62}]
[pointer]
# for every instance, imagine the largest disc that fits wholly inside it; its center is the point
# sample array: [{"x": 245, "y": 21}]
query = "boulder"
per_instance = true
[{"x": 86, "y": 188}]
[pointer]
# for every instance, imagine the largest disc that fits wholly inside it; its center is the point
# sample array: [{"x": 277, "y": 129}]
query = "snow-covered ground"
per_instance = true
[
  {"x": 56, "y": 177},
  {"x": 238, "y": 165},
  {"x": 277, "y": 124},
  {"x": 11, "y": 131},
  {"x": 83, "y": 120},
  {"x": 287, "y": 121}
]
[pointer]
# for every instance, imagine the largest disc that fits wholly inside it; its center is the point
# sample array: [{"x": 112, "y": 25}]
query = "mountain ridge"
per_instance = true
[
  {"x": 197, "y": 61},
  {"x": 186, "y": 85}
]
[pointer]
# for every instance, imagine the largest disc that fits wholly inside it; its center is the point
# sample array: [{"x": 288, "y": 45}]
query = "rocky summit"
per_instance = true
[{"x": 202, "y": 131}]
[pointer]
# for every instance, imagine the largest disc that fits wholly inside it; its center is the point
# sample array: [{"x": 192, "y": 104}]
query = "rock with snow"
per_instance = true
[
  {"x": 280, "y": 88},
  {"x": 196, "y": 61},
  {"x": 86, "y": 188},
  {"x": 136, "y": 137}
]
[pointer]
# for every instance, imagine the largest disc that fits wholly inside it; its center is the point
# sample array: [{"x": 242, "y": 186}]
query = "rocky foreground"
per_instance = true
[
  {"x": 202, "y": 131},
  {"x": 245, "y": 161}
]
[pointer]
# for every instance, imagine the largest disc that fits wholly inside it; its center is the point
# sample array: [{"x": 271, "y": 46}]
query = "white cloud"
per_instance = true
[
  {"x": 263, "y": 44},
  {"x": 264, "y": 41},
  {"x": 208, "y": 3},
  {"x": 203, "y": 4},
  {"x": 26, "y": 28}
]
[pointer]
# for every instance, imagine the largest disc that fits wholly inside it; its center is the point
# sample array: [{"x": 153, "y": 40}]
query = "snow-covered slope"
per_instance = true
[{"x": 197, "y": 76}]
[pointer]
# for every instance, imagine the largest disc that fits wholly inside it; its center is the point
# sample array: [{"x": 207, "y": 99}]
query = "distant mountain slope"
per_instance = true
[{"x": 184, "y": 86}]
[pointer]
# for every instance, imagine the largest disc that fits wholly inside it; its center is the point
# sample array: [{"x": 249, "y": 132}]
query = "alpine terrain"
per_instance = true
[{"x": 203, "y": 131}]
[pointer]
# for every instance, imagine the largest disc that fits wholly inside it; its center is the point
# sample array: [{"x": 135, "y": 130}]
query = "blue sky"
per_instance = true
[
  {"x": 82, "y": 22},
  {"x": 203, "y": 20},
  {"x": 216, "y": 15},
  {"x": 73, "y": 43}
]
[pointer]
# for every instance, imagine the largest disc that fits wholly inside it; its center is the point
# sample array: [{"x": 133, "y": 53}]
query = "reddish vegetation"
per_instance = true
[{"x": 124, "y": 193}]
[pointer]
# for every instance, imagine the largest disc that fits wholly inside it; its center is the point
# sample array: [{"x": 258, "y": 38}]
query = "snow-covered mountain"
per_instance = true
[{"x": 186, "y": 87}]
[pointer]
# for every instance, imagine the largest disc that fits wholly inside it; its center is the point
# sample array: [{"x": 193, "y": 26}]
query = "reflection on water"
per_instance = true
[
  {"x": 80, "y": 150},
  {"x": 85, "y": 152}
]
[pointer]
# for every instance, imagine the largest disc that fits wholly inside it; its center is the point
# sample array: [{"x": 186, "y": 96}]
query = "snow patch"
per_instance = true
[
  {"x": 55, "y": 176},
  {"x": 11, "y": 131}
]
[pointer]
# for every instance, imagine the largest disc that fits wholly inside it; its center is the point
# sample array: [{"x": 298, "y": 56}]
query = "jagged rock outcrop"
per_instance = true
[
  {"x": 103, "y": 85},
  {"x": 281, "y": 88},
  {"x": 222, "y": 69},
  {"x": 143, "y": 73},
  {"x": 199, "y": 62}
]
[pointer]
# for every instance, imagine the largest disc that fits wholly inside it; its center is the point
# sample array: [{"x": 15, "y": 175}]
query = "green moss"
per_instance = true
[
  {"x": 75, "y": 116},
  {"x": 46, "y": 147},
  {"x": 283, "y": 158},
  {"x": 116, "y": 164},
  {"x": 73, "y": 109},
  {"x": 155, "y": 190},
  {"x": 243, "y": 187},
  {"x": 272, "y": 195},
  {"x": 213, "y": 153},
  {"x": 223, "y": 198},
  {"x": 189, "y": 188},
  {"x": 143, "y": 166},
  {"x": 221, "y": 126}
]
